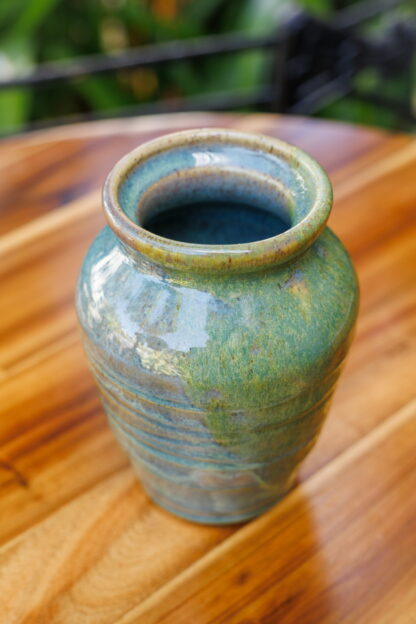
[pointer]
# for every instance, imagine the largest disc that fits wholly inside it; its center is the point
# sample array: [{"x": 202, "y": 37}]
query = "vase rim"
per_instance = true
[{"x": 241, "y": 257}]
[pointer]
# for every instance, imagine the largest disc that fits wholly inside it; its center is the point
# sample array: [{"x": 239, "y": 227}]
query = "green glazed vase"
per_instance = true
[{"x": 217, "y": 310}]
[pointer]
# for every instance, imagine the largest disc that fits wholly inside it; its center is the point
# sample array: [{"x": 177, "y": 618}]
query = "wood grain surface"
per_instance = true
[{"x": 79, "y": 540}]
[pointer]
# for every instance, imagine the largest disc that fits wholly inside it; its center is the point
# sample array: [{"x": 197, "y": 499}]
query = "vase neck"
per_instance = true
[{"x": 214, "y": 200}]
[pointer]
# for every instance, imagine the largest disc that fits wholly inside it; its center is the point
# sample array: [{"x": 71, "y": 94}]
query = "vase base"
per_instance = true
[{"x": 214, "y": 518}]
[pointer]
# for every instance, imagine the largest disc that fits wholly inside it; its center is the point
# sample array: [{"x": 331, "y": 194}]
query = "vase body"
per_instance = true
[{"x": 216, "y": 378}]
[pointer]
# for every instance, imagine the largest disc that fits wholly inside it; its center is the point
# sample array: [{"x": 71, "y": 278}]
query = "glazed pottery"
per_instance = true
[{"x": 217, "y": 310}]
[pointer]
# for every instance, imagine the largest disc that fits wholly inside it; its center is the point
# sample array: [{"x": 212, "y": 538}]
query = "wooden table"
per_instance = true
[{"x": 80, "y": 540}]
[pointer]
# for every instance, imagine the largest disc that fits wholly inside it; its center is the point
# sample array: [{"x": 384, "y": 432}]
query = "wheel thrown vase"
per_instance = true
[{"x": 216, "y": 311}]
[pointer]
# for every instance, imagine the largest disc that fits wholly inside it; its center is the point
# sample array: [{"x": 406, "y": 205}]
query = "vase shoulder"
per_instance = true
[{"x": 246, "y": 340}]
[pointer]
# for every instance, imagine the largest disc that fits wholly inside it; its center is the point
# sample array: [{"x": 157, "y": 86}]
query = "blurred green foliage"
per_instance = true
[{"x": 37, "y": 31}]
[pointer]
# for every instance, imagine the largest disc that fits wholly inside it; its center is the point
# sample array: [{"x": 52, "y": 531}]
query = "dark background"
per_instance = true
[{"x": 33, "y": 32}]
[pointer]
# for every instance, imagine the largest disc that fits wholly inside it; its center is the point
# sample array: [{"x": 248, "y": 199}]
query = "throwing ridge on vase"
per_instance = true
[{"x": 217, "y": 310}]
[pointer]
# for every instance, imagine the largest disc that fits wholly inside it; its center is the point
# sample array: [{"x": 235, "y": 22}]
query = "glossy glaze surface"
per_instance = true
[{"x": 216, "y": 364}]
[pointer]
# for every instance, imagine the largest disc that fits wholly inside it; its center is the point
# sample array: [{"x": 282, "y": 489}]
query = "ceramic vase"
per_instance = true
[{"x": 217, "y": 310}]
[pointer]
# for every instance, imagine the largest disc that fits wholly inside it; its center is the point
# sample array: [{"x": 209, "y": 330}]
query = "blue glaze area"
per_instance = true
[
  {"x": 215, "y": 156},
  {"x": 215, "y": 223}
]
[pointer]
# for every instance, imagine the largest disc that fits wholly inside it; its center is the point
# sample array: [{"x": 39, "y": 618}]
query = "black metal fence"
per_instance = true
[{"x": 314, "y": 63}]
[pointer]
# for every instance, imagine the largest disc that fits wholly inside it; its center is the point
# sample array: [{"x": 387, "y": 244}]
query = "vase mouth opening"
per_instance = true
[{"x": 216, "y": 199}]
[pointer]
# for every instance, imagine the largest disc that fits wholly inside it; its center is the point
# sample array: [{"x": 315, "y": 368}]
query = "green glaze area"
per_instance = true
[{"x": 283, "y": 336}]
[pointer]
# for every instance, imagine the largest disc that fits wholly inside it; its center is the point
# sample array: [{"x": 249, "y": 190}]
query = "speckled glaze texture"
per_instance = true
[{"x": 216, "y": 363}]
